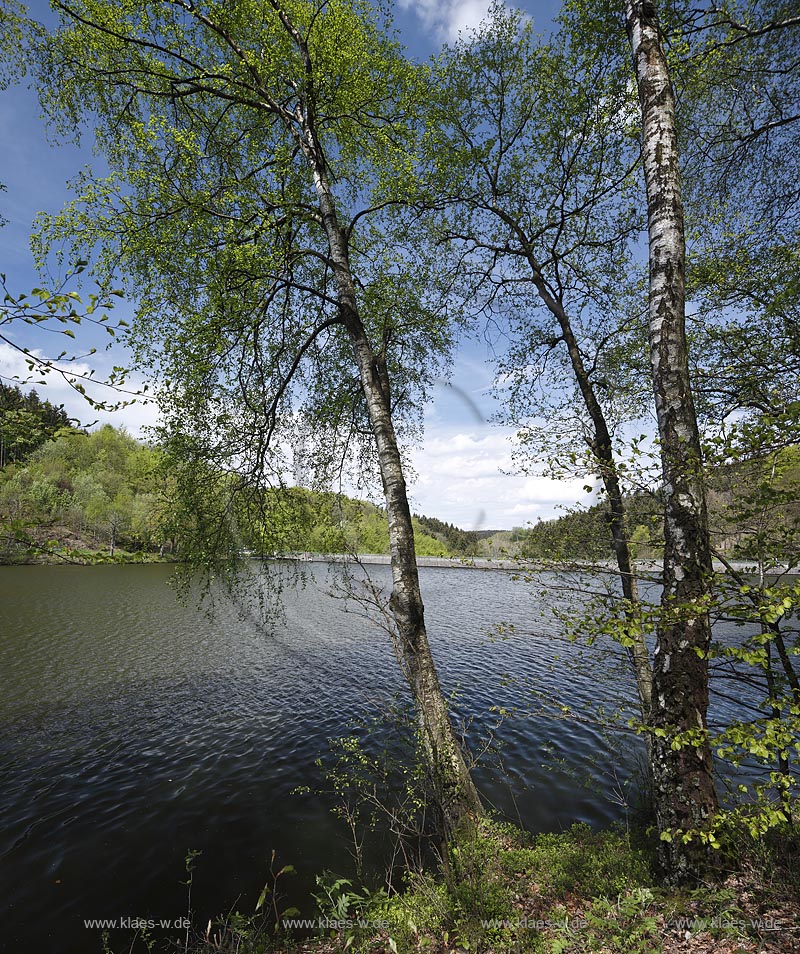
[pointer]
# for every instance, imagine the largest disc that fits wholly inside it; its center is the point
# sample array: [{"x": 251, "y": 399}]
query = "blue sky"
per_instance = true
[{"x": 463, "y": 463}]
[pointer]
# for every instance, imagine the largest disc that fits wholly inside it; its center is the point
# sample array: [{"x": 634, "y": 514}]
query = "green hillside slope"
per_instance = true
[{"x": 83, "y": 494}]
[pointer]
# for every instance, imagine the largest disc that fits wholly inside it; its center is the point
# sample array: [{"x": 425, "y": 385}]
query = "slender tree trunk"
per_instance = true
[
  {"x": 684, "y": 793},
  {"x": 457, "y": 798},
  {"x": 455, "y": 791},
  {"x": 603, "y": 451},
  {"x": 756, "y": 598}
]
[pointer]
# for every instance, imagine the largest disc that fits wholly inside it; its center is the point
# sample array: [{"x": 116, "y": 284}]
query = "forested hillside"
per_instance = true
[
  {"x": 754, "y": 511},
  {"x": 26, "y": 422},
  {"x": 68, "y": 491},
  {"x": 85, "y": 491},
  {"x": 457, "y": 541},
  {"x": 104, "y": 491}
]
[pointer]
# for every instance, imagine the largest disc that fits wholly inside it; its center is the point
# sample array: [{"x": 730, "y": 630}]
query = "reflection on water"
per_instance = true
[{"x": 135, "y": 728}]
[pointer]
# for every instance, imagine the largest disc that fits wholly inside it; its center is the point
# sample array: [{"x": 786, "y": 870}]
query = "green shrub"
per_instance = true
[{"x": 593, "y": 864}]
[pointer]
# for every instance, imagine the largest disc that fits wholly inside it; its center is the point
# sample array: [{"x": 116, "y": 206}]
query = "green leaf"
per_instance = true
[{"x": 262, "y": 897}]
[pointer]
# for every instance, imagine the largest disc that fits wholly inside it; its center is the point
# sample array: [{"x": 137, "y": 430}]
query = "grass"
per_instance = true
[{"x": 501, "y": 891}]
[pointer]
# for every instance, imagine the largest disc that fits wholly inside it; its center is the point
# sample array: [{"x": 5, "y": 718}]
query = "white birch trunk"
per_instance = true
[{"x": 684, "y": 794}]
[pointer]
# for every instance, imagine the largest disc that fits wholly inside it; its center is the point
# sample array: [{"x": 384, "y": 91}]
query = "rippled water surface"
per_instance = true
[{"x": 135, "y": 728}]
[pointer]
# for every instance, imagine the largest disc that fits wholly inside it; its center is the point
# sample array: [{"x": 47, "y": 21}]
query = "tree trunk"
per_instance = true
[
  {"x": 684, "y": 794},
  {"x": 455, "y": 791},
  {"x": 457, "y": 798},
  {"x": 603, "y": 451}
]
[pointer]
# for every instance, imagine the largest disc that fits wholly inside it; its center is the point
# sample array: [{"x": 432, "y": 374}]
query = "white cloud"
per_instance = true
[
  {"x": 134, "y": 418},
  {"x": 467, "y": 479},
  {"x": 448, "y": 17}
]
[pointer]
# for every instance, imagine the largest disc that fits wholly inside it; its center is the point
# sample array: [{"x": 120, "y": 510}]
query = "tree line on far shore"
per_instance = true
[
  {"x": 105, "y": 491},
  {"x": 68, "y": 493}
]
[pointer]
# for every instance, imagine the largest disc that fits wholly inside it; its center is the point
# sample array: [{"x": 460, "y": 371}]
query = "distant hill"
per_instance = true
[
  {"x": 458, "y": 542},
  {"x": 86, "y": 494},
  {"x": 63, "y": 488},
  {"x": 754, "y": 507}
]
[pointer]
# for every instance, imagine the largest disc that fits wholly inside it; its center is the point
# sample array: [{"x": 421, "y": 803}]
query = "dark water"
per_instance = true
[{"x": 134, "y": 728}]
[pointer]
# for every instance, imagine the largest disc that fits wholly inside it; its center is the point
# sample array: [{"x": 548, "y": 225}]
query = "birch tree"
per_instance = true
[
  {"x": 737, "y": 67},
  {"x": 684, "y": 793},
  {"x": 536, "y": 170},
  {"x": 256, "y": 152}
]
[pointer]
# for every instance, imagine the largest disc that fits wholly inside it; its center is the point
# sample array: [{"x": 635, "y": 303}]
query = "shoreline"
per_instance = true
[
  {"x": 647, "y": 568},
  {"x": 651, "y": 567}
]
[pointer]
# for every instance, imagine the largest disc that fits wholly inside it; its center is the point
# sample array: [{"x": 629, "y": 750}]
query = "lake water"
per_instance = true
[{"x": 135, "y": 728}]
